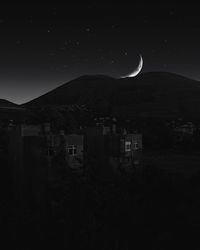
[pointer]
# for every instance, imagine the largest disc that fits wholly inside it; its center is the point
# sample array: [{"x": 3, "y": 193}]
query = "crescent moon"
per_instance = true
[{"x": 137, "y": 70}]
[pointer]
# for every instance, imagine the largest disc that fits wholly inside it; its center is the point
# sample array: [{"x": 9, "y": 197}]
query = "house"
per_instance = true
[
  {"x": 69, "y": 147},
  {"x": 112, "y": 152},
  {"x": 129, "y": 156},
  {"x": 185, "y": 135},
  {"x": 102, "y": 149},
  {"x": 185, "y": 129},
  {"x": 74, "y": 151}
]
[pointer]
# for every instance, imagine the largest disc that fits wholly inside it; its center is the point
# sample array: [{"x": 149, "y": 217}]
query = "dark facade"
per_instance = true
[
  {"x": 100, "y": 150},
  {"x": 74, "y": 151},
  {"x": 96, "y": 152},
  {"x": 111, "y": 152},
  {"x": 29, "y": 165},
  {"x": 128, "y": 150},
  {"x": 69, "y": 147}
]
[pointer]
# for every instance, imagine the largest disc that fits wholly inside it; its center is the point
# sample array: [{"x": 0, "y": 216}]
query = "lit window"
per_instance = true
[
  {"x": 127, "y": 146},
  {"x": 135, "y": 145},
  {"x": 72, "y": 150}
]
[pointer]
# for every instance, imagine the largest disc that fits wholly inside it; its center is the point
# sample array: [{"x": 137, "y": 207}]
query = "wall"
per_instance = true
[
  {"x": 75, "y": 161},
  {"x": 29, "y": 165}
]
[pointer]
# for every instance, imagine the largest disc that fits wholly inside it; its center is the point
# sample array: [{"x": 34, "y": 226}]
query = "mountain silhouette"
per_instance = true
[
  {"x": 153, "y": 94},
  {"x": 7, "y": 104},
  {"x": 12, "y": 111}
]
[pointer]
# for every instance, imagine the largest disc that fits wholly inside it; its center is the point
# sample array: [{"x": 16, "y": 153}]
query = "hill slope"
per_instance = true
[
  {"x": 7, "y": 104},
  {"x": 156, "y": 94}
]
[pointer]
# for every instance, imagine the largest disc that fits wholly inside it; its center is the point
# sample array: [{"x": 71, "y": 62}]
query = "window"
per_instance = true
[
  {"x": 72, "y": 150},
  {"x": 127, "y": 146},
  {"x": 135, "y": 145}
]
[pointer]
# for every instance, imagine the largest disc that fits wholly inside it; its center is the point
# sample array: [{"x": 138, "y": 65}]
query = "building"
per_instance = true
[
  {"x": 185, "y": 135},
  {"x": 69, "y": 147},
  {"x": 102, "y": 150},
  {"x": 112, "y": 152},
  {"x": 185, "y": 129},
  {"x": 74, "y": 151},
  {"x": 128, "y": 156},
  {"x": 29, "y": 166},
  {"x": 96, "y": 152}
]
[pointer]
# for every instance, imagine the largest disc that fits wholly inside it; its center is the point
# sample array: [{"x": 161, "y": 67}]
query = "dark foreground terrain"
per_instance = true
[{"x": 154, "y": 209}]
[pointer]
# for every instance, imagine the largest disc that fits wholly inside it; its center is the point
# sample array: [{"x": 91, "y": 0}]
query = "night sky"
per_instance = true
[{"x": 43, "y": 46}]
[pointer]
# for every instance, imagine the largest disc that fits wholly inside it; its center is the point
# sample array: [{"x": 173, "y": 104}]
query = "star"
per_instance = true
[{"x": 112, "y": 62}]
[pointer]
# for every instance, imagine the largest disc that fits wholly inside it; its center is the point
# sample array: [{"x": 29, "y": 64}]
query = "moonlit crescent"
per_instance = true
[{"x": 137, "y": 70}]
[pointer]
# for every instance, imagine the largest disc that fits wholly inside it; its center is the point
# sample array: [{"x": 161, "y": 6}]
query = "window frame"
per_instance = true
[
  {"x": 136, "y": 147},
  {"x": 73, "y": 149},
  {"x": 128, "y": 146}
]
